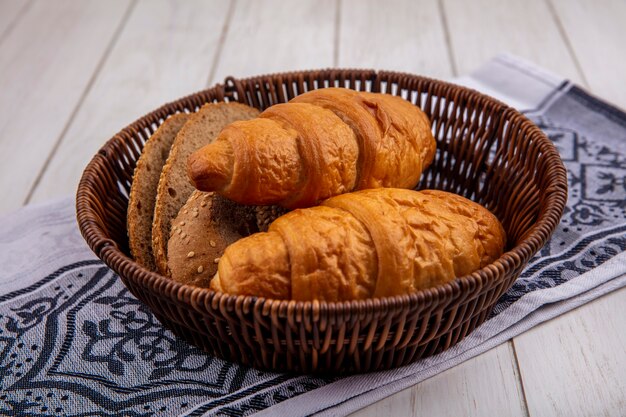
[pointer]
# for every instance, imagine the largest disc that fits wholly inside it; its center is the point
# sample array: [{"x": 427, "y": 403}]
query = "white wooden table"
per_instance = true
[{"x": 74, "y": 72}]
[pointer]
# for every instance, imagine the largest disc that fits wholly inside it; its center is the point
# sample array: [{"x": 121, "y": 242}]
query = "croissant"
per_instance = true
[
  {"x": 322, "y": 143},
  {"x": 370, "y": 243}
]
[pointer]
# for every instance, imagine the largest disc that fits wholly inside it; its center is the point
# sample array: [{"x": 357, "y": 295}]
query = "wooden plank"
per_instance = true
[
  {"x": 563, "y": 363},
  {"x": 10, "y": 11},
  {"x": 483, "y": 28},
  {"x": 402, "y": 36},
  {"x": 164, "y": 52},
  {"x": 273, "y": 35},
  {"x": 46, "y": 62},
  {"x": 474, "y": 41},
  {"x": 596, "y": 34},
  {"x": 410, "y": 36},
  {"x": 575, "y": 365},
  {"x": 486, "y": 385}
]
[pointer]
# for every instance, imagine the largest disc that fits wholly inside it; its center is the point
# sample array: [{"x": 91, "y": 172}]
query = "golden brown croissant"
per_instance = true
[
  {"x": 370, "y": 243},
  {"x": 322, "y": 143}
]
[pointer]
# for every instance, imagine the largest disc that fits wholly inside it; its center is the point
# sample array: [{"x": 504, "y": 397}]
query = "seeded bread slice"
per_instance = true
[
  {"x": 143, "y": 190},
  {"x": 204, "y": 227},
  {"x": 174, "y": 187}
]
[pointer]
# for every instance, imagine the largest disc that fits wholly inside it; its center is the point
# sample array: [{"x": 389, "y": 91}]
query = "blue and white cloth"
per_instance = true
[{"x": 74, "y": 341}]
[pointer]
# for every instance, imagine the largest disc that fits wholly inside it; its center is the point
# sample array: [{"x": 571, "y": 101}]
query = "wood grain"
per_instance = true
[
  {"x": 46, "y": 62},
  {"x": 596, "y": 33},
  {"x": 164, "y": 52},
  {"x": 409, "y": 36},
  {"x": 10, "y": 12},
  {"x": 401, "y": 36},
  {"x": 485, "y": 385},
  {"x": 483, "y": 28},
  {"x": 272, "y": 35},
  {"x": 574, "y": 365},
  {"x": 50, "y": 73}
]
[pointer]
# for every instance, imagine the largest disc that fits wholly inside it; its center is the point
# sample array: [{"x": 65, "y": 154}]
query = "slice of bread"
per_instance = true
[
  {"x": 204, "y": 227},
  {"x": 143, "y": 190},
  {"x": 174, "y": 187}
]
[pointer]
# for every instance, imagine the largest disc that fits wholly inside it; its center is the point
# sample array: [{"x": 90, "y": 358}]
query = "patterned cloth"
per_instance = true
[{"x": 74, "y": 341}]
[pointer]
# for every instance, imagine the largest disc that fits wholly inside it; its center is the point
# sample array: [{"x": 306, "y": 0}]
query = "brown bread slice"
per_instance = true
[
  {"x": 143, "y": 190},
  {"x": 202, "y": 230},
  {"x": 174, "y": 187},
  {"x": 204, "y": 227}
]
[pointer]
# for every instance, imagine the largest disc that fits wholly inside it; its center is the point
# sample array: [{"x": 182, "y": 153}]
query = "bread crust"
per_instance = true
[
  {"x": 371, "y": 243},
  {"x": 174, "y": 188},
  {"x": 203, "y": 228},
  {"x": 143, "y": 190},
  {"x": 322, "y": 143}
]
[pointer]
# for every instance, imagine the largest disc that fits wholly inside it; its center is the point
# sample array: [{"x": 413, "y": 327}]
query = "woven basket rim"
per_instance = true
[{"x": 108, "y": 250}]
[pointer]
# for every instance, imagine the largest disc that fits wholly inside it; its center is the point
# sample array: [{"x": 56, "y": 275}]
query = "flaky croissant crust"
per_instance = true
[
  {"x": 322, "y": 143},
  {"x": 371, "y": 243}
]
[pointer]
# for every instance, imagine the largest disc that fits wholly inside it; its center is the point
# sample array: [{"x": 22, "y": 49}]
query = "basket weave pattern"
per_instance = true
[{"x": 486, "y": 151}]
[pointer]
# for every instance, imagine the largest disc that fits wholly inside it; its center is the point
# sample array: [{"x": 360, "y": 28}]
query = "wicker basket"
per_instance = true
[{"x": 486, "y": 151}]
